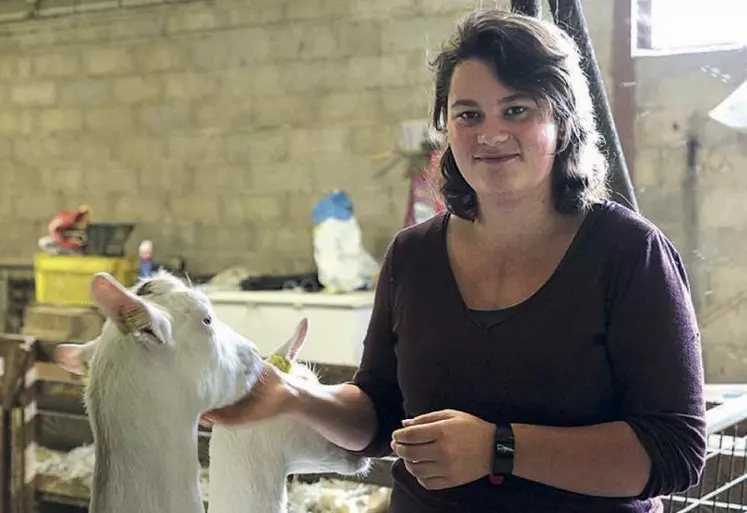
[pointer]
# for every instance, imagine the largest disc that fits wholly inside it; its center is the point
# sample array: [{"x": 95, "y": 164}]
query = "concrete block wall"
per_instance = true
[
  {"x": 216, "y": 126},
  {"x": 675, "y": 94}
]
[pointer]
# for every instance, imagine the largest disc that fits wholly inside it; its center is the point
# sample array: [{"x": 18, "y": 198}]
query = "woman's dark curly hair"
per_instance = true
[{"x": 534, "y": 57}]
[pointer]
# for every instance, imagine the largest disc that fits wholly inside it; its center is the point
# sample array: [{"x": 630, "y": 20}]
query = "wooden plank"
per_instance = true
[
  {"x": 62, "y": 431},
  {"x": 61, "y": 397},
  {"x": 18, "y": 390}
]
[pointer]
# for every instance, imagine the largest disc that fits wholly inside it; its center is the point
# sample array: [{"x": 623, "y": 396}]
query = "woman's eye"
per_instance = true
[
  {"x": 207, "y": 320},
  {"x": 516, "y": 110},
  {"x": 468, "y": 116}
]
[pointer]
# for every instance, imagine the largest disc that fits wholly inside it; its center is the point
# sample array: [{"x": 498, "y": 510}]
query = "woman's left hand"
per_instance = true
[{"x": 445, "y": 448}]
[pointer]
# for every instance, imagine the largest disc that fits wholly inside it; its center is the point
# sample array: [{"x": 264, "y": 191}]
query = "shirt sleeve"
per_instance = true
[
  {"x": 376, "y": 375},
  {"x": 654, "y": 346}
]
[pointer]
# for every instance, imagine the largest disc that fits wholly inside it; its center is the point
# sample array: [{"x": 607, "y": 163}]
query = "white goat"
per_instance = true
[
  {"x": 161, "y": 360},
  {"x": 249, "y": 464}
]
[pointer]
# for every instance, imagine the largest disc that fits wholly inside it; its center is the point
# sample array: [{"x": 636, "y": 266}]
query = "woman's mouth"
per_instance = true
[{"x": 495, "y": 159}]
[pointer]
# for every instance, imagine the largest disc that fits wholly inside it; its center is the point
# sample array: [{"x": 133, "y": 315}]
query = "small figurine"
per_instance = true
[{"x": 145, "y": 253}]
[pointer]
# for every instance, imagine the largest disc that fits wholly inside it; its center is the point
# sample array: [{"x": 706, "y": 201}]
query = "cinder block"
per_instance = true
[
  {"x": 38, "y": 207},
  {"x": 242, "y": 14},
  {"x": 317, "y": 40},
  {"x": 145, "y": 207},
  {"x": 356, "y": 39},
  {"x": 85, "y": 92},
  {"x": 6, "y": 151},
  {"x": 300, "y": 205},
  {"x": 288, "y": 110},
  {"x": 190, "y": 86},
  {"x": 136, "y": 89},
  {"x": 658, "y": 128},
  {"x": 138, "y": 149},
  {"x": 372, "y": 140},
  {"x": 109, "y": 119},
  {"x": 402, "y": 103},
  {"x": 191, "y": 18},
  {"x": 727, "y": 285},
  {"x": 317, "y": 9},
  {"x": 723, "y": 208},
  {"x": 218, "y": 179},
  {"x": 19, "y": 122},
  {"x": 366, "y": 10},
  {"x": 160, "y": 56},
  {"x": 348, "y": 108},
  {"x": 266, "y": 146},
  {"x": 197, "y": 208},
  {"x": 62, "y": 324},
  {"x": 60, "y": 120},
  {"x": 724, "y": 363},
  {"x": 252, "y": 208},
  {"x": 107, "y": 61},
  {"x": 289, "y": 175},
  {"x": 89, "y": 149},
  {"x": 196, "y": 150},
  {"x": 278, "y": 241},
  {"x": 406, "y": 69},
  {"x": 37, "y": 152},
  {"x": 57, "y": 65},
  {"x": 417, "y": 33},
  {"x": 62, "y": 177},
  {"x": 226, "y": 115},
  {"x": 108, "y": 178},
  {"x": 163, "y": 118},
  {"x": 309, "y": 141},
  {"x": 34, "y": 94},
  {"x": 230, "y": 238},
  {"x": 316, "y": 76},
  {"x": 167, "y": 178},
  {"x": 724, "y": 166}
]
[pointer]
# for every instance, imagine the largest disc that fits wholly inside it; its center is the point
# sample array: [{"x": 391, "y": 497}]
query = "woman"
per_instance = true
[{"x": 535, "y": 348}]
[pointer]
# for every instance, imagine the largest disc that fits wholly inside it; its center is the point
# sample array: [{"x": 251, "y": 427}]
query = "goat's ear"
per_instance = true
[
  {"x": 128, "y": 311},
  {"x": 293, "y": 345},
  {"x": 74, "y": 357}
]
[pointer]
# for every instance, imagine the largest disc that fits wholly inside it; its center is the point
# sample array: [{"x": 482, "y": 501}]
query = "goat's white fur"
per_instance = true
[{"x": 146, "y": 393}]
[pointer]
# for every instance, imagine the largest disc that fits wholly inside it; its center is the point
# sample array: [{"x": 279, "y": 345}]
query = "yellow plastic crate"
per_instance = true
[{"x": 66, "y": 279}]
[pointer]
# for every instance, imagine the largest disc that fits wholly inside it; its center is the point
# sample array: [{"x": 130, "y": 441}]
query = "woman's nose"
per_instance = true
[
  {"x": 493, "y": 138},
  {"x": 493, "y": 132}
]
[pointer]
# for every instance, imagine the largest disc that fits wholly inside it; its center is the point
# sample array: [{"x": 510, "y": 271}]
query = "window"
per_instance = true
[{"x": 681, "y": 25}]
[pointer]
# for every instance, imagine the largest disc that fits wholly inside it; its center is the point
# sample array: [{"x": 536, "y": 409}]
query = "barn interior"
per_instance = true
[{"x": 211, "y": 138}]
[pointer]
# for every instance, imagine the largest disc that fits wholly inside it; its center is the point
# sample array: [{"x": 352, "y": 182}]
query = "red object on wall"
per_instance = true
[{"x": 424, "y": 200}]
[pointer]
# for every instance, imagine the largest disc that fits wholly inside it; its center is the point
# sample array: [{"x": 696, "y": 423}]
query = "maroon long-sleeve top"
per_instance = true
[{"x": 610, "y": 336}]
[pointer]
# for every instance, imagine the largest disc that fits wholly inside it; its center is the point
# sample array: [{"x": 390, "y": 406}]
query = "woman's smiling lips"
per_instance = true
[{"x": 495, "y": 158}]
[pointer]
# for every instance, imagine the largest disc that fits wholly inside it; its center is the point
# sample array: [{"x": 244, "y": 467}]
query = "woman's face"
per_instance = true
[{"x": 503, "y": 142}]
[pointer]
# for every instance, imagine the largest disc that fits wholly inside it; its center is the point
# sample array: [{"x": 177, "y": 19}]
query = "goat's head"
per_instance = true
[{"x": 162, "y": 349}]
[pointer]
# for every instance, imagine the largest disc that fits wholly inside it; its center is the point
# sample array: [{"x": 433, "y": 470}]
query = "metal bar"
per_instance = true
[
  {"x": 730, "y": 413},
  {"x": 528, "y": 7},
  {"x": 569, "y": 16}
]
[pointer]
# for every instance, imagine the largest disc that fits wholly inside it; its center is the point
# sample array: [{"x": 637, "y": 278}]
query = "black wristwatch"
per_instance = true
[{"x": 503, "y": 453}]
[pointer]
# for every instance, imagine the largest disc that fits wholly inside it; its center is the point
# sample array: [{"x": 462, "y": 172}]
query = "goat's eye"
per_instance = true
[{"x": 207, "y": 320}]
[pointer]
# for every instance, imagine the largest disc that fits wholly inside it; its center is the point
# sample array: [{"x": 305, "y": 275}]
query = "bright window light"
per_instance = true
[{"x": 698, "y": 23}]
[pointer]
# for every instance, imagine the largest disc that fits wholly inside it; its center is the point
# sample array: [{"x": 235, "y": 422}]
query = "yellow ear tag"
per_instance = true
[
  {"x": 85, "y": 377},
  {"x": 282, "y": 363}
]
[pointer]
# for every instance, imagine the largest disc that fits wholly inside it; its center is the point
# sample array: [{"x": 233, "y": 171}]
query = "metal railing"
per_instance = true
[{"x": 723, "y": 486}]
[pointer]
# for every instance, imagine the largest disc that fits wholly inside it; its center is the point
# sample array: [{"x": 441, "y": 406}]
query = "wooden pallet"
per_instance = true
[{"x": 18, "y": 396}]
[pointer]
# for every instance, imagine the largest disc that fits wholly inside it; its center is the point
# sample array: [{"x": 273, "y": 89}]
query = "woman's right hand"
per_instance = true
[{"x": 270, "y": 396}]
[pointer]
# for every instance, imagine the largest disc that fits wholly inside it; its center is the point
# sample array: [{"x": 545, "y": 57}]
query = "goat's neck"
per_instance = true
[
  {"x": 246, "y": 478},
  {"x": 143, "y": 469}
]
